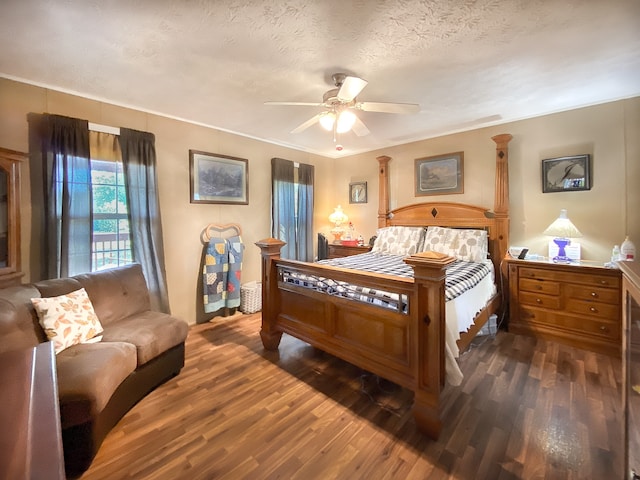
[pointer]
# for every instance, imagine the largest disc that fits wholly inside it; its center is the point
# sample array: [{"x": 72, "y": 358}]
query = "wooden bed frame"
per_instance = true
[{"x": 407, "y": 347}]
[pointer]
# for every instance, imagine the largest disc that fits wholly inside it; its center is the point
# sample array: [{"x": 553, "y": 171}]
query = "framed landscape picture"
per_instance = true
[
  {"x": 440, "y": 175},
  {"x": 218, "y": 178}
]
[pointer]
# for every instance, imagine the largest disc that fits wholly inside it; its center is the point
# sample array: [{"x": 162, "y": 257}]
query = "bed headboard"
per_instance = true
[{"x": 457, "y": 215}]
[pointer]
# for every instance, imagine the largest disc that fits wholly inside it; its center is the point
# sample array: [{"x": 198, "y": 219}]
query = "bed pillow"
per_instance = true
[
  {"x": 398, "y": 240},
  {"x": 68, "y": 319},
  {"x": 464, "y": 244}
]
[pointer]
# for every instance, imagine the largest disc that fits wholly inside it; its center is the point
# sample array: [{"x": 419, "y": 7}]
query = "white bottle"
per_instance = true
[
  {"x": 615, "y": 254},
  {"x": 627, "y": 250}
]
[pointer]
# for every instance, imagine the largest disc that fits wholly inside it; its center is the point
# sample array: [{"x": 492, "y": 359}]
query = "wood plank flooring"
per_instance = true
[{"x": 527, "y": 409}]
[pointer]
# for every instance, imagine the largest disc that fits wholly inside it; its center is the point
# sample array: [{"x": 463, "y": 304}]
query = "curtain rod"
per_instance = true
[{"x": 96, "y": 127}]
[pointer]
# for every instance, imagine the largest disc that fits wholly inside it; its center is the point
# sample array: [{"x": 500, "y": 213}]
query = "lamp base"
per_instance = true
[
  {"x": 337, "y": 234},
  {"x": 562, "y": 254}
]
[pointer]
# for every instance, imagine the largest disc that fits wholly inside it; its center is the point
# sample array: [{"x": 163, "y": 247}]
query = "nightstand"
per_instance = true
[
  {"x": 336, "y": 250},
  {"x": 577, "y": 303}
]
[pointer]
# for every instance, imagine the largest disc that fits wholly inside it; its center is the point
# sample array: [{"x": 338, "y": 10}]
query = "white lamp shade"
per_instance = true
[
  {"x": 326, "y": 120},
  {"x": 562, "y": 227},
  {"x": 346, "y": 119},
  {"x": 338, "y": 216}
]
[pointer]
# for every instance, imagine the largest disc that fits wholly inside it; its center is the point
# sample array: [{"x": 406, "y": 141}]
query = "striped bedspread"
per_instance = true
[{"x": 461, "y": 276}]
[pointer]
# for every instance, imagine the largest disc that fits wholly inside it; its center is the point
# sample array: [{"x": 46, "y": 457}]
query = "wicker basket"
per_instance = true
[{"x": 251, "y": 297}]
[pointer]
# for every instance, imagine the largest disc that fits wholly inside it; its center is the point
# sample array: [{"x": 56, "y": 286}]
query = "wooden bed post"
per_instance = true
[
  {"x": 383, "y": 193},
  {"x": 270, "y": 251},
  {"x": 501, "y": 203},
  {"x": 429, "y": 275}
]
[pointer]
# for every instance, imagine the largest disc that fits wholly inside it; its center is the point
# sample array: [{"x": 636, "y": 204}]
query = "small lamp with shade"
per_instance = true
[
  {"x": 338, "y": 217},
  {"x": 563, "y": 231}
]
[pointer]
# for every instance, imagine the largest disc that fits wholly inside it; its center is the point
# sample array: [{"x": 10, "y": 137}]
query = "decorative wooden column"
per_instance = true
[
  {"x": 429, "y": 315},
  {"x": 383, "y": 192},
  {"x": 270, "y": 251},
  {"x": 501, "y": 203}
]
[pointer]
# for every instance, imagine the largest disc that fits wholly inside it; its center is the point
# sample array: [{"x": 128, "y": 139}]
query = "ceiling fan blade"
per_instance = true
[
  {"x": 351, "y": 88},
  {"x": 304, "y": 104},
  {"x": 388, "y": 107},
  {"x": 359, "y": 128},
  {"x": 307, "y": 124}
]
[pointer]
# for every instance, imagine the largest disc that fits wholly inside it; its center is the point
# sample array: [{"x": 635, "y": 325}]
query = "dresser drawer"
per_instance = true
[
  {"x": 582, "y": 277},
  {"x": 576, "y": 324},
  {"x": 594, "y": 309},
  {"x": 536, "y": 300},
  {"x": 590, "y": 293},
  {"x": 539, "y": 286}
]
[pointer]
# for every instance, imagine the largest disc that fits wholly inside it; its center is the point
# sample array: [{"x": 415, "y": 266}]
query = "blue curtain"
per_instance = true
[
  {"x": 304, "y": 230},
  {"x": 139, "y": 164},
  {"x": 62, "y": 158},
  {"x": 292, "y": 208},
  {"x": 283, "y": 220}
]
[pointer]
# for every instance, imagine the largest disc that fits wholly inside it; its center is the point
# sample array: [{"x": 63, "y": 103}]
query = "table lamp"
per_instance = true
[
  {"x": 338, "y": 217},
  {"x": 563, "y": 231}
]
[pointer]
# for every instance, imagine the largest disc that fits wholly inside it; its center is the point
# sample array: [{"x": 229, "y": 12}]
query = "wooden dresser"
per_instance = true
[
  {"x": 336, "y": 250},
  {"x": 577, "y": 304},
  {"x": 631, "y": 367}
]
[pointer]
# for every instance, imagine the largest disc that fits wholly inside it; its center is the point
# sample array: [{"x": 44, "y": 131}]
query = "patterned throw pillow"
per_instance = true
[
  {"x": 398, "y": 240},
  {"x": 463, "y": 244},
  {"x": 68, "y": 319}
]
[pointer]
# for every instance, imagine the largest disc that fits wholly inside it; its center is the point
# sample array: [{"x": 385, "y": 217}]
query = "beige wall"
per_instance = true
[
  {"x": 603, "y": 214},
  {"x": 608, "y": 132},
  {"x": 183, "y": 222}
]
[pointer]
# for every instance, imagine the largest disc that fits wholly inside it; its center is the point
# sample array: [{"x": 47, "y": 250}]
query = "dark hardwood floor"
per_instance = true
[{"x": 527, "y": 409}]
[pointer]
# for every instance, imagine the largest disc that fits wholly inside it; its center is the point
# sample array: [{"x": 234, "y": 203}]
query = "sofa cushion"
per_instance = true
[
  {"x": 116, "y": 293},
  {"x": 68, "y": 319},
  {"x": 151, "y": 332},
  {"x": 57, "y": 286},
  {"x": 88, "y": 374}
]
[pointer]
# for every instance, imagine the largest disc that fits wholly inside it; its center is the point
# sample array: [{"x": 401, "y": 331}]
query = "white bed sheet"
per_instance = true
[{"x": 459, "y": 315}]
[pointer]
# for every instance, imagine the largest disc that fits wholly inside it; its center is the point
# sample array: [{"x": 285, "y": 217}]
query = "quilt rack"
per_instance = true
[{"x": 228, "y": 228}]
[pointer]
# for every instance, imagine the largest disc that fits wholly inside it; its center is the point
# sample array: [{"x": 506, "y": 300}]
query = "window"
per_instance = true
[
  {"x": 70, "y": 165},
  {"x": 111, "y": 245}
]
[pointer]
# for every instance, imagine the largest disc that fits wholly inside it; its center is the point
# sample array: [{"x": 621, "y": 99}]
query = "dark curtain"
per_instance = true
[
  {"x": 63, "y": 160},
  {"x": 139, "y": 164},
  {"x": 283, "y": 221},
  {"x": 304, "y": 230}
]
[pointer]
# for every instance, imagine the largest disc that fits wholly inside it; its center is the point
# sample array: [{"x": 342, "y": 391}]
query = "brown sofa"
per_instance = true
[{"x": 99, "y": 382}]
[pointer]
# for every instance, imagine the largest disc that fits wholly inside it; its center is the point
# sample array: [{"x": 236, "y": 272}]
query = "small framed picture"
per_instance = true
[
  {"x": 358, "y": 192},
  {"x": 440, "y": 175},
  {"x": 566, "y": 174},
  {"x": 218, "y": 178}
]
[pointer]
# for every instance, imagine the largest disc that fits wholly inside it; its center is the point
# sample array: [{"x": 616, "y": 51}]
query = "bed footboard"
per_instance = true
[{"x": 405, "y": 345}]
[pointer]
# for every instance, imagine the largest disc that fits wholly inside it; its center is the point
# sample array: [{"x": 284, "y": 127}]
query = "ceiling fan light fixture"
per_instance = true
[
  {"x": 327, "y": 120},
  {"x": 346, "y": 119}
]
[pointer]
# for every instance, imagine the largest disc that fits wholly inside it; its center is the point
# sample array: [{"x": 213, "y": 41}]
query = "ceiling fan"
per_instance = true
[{"x": 339, "y": 104}]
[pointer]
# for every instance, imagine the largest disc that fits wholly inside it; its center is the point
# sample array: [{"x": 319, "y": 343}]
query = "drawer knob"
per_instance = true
[
  {"x": 538, "y": 300},
  {"x": 594, "y": 294},
  {"x": 593, "y": 309},
  {"x": 603, "y": 328},
  {"x": 604, "y": 282}
]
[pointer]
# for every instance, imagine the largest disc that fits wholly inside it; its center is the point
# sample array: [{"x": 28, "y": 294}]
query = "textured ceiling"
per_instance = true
[{"x": 467, "y": 63}]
